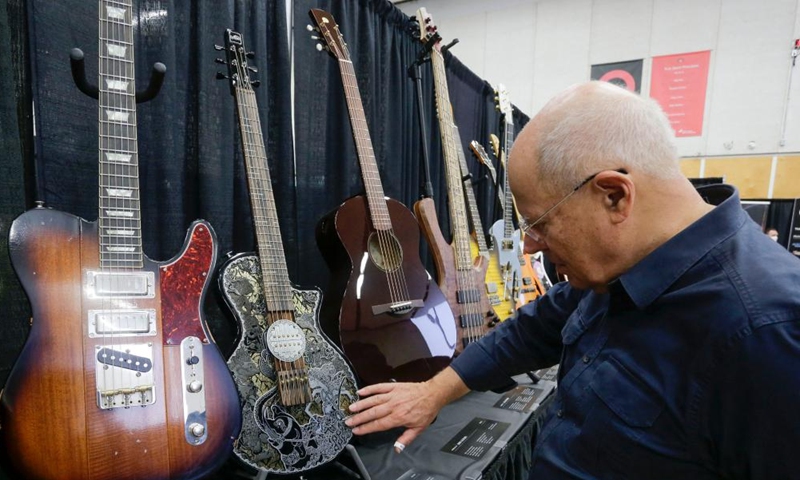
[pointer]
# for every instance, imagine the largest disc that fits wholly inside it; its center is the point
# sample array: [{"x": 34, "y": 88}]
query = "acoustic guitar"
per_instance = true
[
  {"x": 294, "y": 384},
  {"x": 119, "y": 377},
  {"x": 390, "y": 318},
  {"x": 461, "y": 275}
]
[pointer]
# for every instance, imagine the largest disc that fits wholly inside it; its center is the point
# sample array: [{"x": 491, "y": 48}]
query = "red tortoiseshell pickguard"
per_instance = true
[{"x": 182, "y": 283}]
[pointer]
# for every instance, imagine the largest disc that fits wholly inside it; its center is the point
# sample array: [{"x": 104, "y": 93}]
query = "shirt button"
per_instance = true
[
  {"x": 586, "y": 359},
  {"x": 560, "y": 414}
]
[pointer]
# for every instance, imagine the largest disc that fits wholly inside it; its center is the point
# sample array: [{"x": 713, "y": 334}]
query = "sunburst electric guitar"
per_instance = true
[
  {"x": 461, "y": 275},
  {"x": 390, "y": 318},
  {"x": 295, "y": 385},
  {"x": 119, "y": 377}
]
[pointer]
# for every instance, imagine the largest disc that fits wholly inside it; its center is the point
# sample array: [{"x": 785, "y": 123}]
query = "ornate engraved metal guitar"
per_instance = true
[{"x": 294, "y": 384}]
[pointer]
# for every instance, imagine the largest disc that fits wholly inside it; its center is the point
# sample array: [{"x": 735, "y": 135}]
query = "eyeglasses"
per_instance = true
[{"x": 528, "y": 228}]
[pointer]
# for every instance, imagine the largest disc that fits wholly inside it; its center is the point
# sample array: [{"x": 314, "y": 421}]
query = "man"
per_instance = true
[{"x": 678, "y": 334}]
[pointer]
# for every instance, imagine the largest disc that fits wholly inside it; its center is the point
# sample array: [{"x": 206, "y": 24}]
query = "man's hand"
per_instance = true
[{"x": 411, "y": 405}]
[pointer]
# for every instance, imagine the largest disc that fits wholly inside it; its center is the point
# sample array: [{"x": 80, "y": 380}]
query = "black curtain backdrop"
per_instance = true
[
  {"x": 189, "y": 154},
  {"x": 383, "y": 43}
]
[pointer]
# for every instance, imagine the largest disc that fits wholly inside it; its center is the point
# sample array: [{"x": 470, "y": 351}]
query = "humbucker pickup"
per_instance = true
[{"x": 120, "y": 284}]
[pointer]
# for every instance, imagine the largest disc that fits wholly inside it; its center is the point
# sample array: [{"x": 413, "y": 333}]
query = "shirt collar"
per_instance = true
[{"x": 651, "y": 277}]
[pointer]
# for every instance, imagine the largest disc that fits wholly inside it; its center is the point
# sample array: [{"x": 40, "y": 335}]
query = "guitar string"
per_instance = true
[
  {"x": 465, "y": 278},
  {"x": 369, "y": 171},
  {"x": 267, "y": 224},
  {"x": 396, "y": 279}
]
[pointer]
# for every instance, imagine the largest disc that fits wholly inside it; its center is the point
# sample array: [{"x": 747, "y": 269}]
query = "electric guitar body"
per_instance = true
[
  {"x": 502, "y": 304},
  {"x": 380, "y": 342},
  {"x": 103, "y": 386},
  {"x": 472, "y": 319},
  {"x": 276, "y": 437}
]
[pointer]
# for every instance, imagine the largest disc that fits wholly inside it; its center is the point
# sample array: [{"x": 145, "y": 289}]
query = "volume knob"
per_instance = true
[{"x": 194, "y": 386}]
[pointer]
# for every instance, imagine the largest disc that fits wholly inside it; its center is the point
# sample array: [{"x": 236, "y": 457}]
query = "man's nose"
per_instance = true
[{"x": 531, "y": 246}]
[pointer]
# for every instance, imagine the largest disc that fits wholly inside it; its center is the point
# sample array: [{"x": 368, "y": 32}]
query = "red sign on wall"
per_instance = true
[{"x": 678, "y": 83}]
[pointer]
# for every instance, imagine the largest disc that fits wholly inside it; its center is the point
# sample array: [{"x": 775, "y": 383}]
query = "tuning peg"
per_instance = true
[
  {"x": 256, "y": 83},
  {"x": 312, "y": 28},
  {"x": 252, "y": 69},
  {"x": 314, "y": 37},
  {"x": 218, "y": 47},
  {"x": 321, "y": 47},
  {"x": 250, "y": 54},
  {"x": 219, "y": 60},
  {"x": 221, "y": 75}
]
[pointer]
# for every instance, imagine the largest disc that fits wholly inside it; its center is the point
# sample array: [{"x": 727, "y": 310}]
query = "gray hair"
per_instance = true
[{"x": 598, "y": 126}]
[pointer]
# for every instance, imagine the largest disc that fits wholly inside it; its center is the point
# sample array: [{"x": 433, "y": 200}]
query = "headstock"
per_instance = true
[
  {"x": 496, "y": 146},
  {"x": 427, "y": 29},
  {"x": 236, "y": 60},
  {"x": 483, "y": 157},
  {"x": 329, "y": 33},
  {"x": 503, "y": 103}
]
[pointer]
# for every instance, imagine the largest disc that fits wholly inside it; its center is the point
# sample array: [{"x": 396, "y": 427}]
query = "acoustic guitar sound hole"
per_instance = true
[{"x": 385, "y": 251}]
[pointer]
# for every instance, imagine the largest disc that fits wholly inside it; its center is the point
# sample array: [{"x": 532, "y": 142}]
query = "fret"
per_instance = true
[
  {"x": 119, "y": 216},
  {"x": 472, "y": 206},
  {"x": 123, "y": 61},
  {"x": 455, "y": 191},
  {"x": 376, "y": 202},
  {"x": 275, "y": 277}
]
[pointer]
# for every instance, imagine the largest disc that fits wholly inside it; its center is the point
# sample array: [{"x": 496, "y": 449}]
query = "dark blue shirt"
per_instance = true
[{"x": 688, "y": 368}]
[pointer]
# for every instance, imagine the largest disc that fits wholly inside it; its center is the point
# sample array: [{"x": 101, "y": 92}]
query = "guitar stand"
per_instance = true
[
  {"x": 362, "y": 473},
  {"x": 76, "y": 62}
]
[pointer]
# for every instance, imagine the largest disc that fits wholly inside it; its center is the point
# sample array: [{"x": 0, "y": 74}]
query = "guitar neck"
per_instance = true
[
  {"x": 275, "y": 277},
  {"x": 119, "y": 214},
  {"x": 508, "y": 141},
  {"x": 376, "y": 199},
  {"x": 472, "y": 205},
  {"x": 455, "y": 191}
]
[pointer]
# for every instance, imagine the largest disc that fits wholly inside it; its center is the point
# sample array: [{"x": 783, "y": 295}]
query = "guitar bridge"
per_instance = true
[
  {"x": 397, "y": 308},
  {"x": 124, "y": 376}
]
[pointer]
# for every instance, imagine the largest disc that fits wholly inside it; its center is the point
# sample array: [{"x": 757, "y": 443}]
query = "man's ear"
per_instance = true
[{"x": 618, "y": 193}]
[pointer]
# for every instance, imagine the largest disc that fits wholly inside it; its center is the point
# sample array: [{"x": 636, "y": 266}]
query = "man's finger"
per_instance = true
[
  {"x": 367, "y": 403},
  {"x": 406, "y": 438},
  {"x": 377, "y": 388}
]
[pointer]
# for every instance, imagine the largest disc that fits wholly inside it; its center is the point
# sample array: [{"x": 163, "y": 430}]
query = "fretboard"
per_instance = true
[
  {"x": 472, "y": 205},
  {"x": 366, "y": 155},
  {"x": 455, "y": 190},
  {"x": 508, "y": 206},
  {"x": 119, "y": 202},
  {"x": 275, "y": 277}
]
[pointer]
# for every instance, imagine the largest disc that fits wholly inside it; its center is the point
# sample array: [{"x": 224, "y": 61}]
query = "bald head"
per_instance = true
[{"x": 591, "y": 127}]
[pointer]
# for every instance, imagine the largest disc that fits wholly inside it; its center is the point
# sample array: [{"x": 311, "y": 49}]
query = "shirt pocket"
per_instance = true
[{"x": 625, "y": 394}]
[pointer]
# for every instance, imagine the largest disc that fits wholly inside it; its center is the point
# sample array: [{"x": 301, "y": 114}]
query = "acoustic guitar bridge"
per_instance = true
[{"x": 397, "y": 308}]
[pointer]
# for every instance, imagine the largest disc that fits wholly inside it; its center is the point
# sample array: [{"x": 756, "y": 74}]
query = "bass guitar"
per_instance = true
[
  {"x": 294, "y": 385},
  {"x": 119, "y": 377},
  {"x": 501, "y": 300},
  {"x": 461, "y": 276},
  {"x": 390, "y": 318}
]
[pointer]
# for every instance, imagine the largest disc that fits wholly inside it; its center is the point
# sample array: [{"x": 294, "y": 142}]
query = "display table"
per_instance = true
[{"x": 483, "y": 435}]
